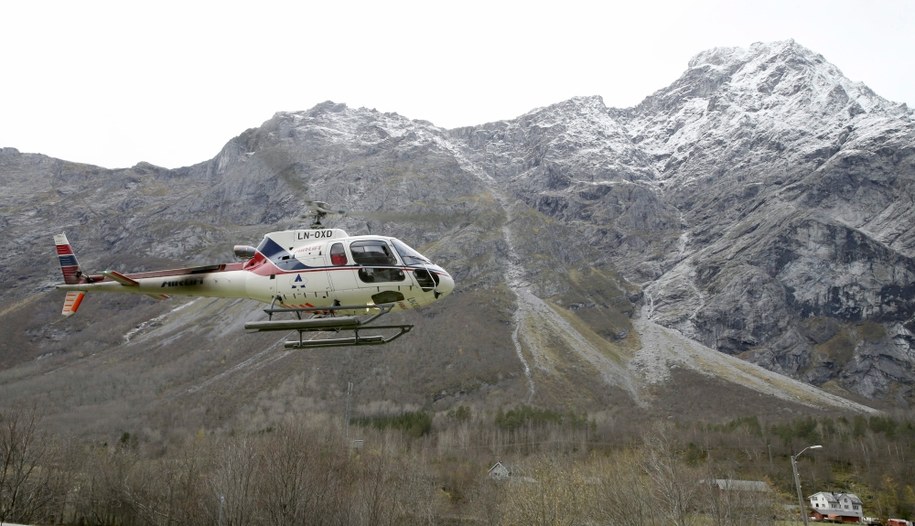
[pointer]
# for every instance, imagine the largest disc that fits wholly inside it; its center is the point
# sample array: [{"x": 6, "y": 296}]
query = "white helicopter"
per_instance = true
[{"x": 328, "y": 280}]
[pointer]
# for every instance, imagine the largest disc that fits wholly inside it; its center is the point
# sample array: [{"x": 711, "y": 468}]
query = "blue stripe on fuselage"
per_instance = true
[{"x": 280, "y": 257}]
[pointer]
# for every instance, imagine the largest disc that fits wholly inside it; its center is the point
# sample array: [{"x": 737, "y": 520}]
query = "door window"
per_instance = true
[
  {"x": 377, "y": 261},
  {"x": 337, "y": 255}
]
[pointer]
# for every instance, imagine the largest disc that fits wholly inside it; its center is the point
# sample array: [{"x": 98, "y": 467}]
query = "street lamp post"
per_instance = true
[{"x": 797, "y": 481}]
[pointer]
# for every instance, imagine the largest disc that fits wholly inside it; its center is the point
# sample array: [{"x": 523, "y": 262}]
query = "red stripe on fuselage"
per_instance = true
[
  {"x": 258, "y": 265},
  {"x": 263, "y": 266},
  {"x": 188, "y": 271}
]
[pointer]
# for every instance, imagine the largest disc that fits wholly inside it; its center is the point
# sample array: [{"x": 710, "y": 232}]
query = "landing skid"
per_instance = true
[{"x": 327, "y": 321}]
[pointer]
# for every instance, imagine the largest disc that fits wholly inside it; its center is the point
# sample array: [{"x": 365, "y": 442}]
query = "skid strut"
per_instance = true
[{"x": 325, "y": 320}]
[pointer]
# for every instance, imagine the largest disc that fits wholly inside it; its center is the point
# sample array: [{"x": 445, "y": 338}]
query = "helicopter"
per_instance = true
[{"x": 325, "y": 280}]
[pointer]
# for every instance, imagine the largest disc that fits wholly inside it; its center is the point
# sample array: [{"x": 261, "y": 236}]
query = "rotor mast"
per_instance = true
[{"x": 319, "y": 210}]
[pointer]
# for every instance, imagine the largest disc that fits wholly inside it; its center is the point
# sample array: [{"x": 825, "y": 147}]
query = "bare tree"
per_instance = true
[
  {"x": 283, "y": 478},
  {"x": 30, "y": 478},
  {"x": 374, "y": 502},
  {"x": 673, "y": 484},
  {"x": 170, "y": 491},
  {"x": 232, "y": 484},
  {"x": 733, "y": 503},
  {"x": 623, "y": 496},
  {"x": 99, "y": 496},
  {"x": 551, "y": 493}
]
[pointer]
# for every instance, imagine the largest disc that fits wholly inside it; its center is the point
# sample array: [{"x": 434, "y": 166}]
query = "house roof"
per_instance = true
[
  {"x": 836, "y": 497},
  {"x": 499, "y": 466},
  {"x": 739, "y": 485}
]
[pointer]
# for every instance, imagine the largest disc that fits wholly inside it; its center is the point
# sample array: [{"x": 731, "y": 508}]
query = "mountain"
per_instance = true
[
  {"x": 793, "y": 187},
  {"x": 763, "y": 202},
  {"x": 633, "y": 263}
]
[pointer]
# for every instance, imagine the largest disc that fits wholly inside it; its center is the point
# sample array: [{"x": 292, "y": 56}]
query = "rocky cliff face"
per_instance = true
[
  {"x": 795, "y": 187},
  {"x": 761, "y": 205},
  {"x": 760, "y": 194}
]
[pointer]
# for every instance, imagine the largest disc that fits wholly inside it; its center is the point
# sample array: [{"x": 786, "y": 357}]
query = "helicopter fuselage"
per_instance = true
[{"x": 313, "y": 268}]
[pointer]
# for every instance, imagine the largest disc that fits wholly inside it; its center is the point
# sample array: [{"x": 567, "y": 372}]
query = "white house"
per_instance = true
[
  {"x": 500, "y": 471},
  {"x": 845, "y": 507}
]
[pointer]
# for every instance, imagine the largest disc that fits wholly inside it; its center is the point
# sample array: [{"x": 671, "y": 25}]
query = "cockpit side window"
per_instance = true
[
  {"x": 337, "y": 255},
  {"x": 410, "y": 257},
  {"x": 372, "y": 252},
  {"x": 375, "y": 258}
]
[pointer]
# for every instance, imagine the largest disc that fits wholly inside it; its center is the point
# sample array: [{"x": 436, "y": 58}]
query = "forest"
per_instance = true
[{"x": 423, "y": 468}]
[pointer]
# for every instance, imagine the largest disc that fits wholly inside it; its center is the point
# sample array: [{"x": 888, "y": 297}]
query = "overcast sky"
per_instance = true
[{"x": 113, "y": 83}]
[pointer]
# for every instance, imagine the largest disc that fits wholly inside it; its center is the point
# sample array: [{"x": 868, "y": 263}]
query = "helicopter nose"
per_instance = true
[{"x": 445, "y": 285}]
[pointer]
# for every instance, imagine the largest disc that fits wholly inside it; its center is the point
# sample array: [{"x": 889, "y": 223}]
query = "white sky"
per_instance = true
[{"x": 113, "y": 83}]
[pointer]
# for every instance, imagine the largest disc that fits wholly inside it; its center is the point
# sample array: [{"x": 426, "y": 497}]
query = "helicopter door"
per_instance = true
[
  {"x": 378, "y": 268},
  {"x": 342, "y": 274},
  {"x": 377, "y": 263},
  {"x": 305, "y": 279}
]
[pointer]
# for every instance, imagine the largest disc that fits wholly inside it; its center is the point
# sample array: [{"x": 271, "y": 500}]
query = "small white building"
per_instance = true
[
  {"x": 750, "y": 486},
  {"x": 500, "y": 471},
  {"x": 845, "y": 507}
]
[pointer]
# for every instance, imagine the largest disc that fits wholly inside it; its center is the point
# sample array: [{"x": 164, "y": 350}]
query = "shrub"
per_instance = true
[
  {"x": 413, "y": 423},
  {"x": 526, "y": 415}
]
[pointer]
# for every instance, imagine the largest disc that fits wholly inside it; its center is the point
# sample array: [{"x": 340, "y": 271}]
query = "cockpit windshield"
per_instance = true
[{"x": 409, "y": 256}]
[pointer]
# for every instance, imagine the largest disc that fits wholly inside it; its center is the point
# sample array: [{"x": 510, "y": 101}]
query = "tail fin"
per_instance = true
[
  {"x": 68, "y": 264},
  {"x": 73, "y": 274}
]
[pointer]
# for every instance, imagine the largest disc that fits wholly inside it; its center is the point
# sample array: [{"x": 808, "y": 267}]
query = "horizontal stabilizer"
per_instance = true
[
  {"x": 121, "y": 278},
  {"x": 159, "y": 296},
  {"x": 72, "y": 301}
]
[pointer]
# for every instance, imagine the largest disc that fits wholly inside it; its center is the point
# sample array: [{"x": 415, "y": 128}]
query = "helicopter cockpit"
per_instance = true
[
  {"x": 427, "y": 274},
  {"x": 378, "y": 262},
  {"x": 376, "y": 259}
]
